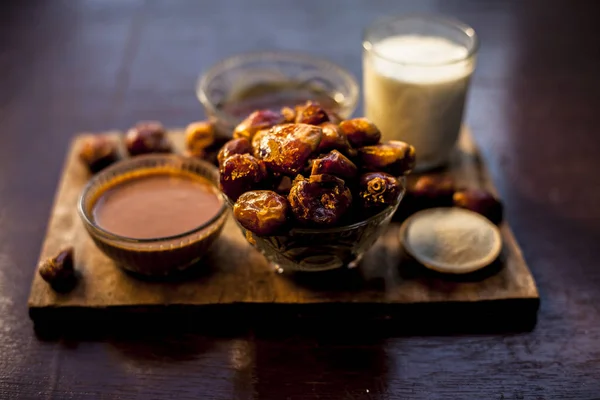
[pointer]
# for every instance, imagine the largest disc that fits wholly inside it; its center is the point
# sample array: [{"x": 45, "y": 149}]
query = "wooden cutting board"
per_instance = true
[{"x": 234, "y": 274}]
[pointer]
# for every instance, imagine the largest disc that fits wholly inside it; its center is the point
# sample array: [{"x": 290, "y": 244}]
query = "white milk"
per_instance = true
[{"x": 415, "y": 89}]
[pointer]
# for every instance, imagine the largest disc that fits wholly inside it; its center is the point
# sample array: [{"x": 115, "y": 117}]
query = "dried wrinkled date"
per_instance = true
[
  {"x": 394, "y": 157},
  {"x": 234, "y": 146},
  {"x": 258, "y": 120},
  {"x": 255, "y": 144},
  {"x": 198, "y": 136},
  {"x": 311, "y": 113},
  {"x": 285, "y": 149},
  {"x": 334, "y": 139},
  {"x": 427, "y": 191},
  {"x": 240, "y": 173},
  {"x": 147, "y": 137},
  {"x": 98, "y": 152},
  {"x": 321, "y": 200},
  {"x": 360, "y": 132},
  {"x": 433, "y": 191},
  {"x": 378, "y": 190},
  {"x": 332, "y": 116},
  {"x": 481, "y": 202},
  {"x": 289, "y": 114},
  {"x": 59, "y": 271},
  {"x": 334, "y": 163},
  {"x": 263, "y": 212}
]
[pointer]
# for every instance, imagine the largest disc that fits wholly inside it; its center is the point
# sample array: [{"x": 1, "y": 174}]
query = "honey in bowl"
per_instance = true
[
  {"x": 154, "y": 214},
  {"x": 156, "y": 204}
]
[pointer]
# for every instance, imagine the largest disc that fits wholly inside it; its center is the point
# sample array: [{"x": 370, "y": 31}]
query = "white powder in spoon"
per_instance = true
[{"x": 452, "y": 239}]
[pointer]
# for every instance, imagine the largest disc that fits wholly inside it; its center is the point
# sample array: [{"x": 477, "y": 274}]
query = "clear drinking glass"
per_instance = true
[{"x": 416, "y": 75}]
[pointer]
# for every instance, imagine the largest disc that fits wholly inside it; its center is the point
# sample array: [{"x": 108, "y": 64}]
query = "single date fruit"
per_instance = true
[
  {"x": 334, "y": 139},
  {"x": 481, "y": 202},
  {"x": 255, "y": 143},
  {"x": 98, "y": 152},
  {"x": 311, "y": 113},
  {"x": 263, "y": 212},
  {"x": 360, "y": 132},
  {"x": 147, "y": 137},
  {"x": 234, "y": 146},
  {"x": 240, "y": 173},
  {"x": 289, "y": 114},
  {"x": 59, "y": 271},
  {"x": 394, "y": 157},
  {"x": 433, "y": 191},
  {"x": 334, "y": 163},
  {"x": 258, "y": 120},
  {"x": 285, "y": 149},
  {"x": 378, "y": 190},
  {"x": 198, "y": 136},
  {"x": 321, "y": 200}
]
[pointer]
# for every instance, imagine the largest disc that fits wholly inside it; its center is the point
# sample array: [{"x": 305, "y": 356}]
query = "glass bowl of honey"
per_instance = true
[
  {"x": 156, "y": 214},
  {"x": 238, "y": 85}
]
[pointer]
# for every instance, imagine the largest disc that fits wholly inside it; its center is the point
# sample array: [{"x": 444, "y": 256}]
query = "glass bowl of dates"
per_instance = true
[
  {"x": 312, "y": 193},
  {"x": 154, "y": 214},
  {"x": 234, "y": 87}
]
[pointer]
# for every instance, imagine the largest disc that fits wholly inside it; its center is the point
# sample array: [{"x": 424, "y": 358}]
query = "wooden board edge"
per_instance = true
[
  {"x": 306, "y": 302},
  {"x": 516, "y": 315}
]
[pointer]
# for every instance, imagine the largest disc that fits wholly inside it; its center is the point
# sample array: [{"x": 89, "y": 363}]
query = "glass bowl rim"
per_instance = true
[
  {"x": 115, "y": 168},
  {"x": 437, "y": 18},
  {"x": 238, "y": 60},
  {"x": 343, "y": 228}
]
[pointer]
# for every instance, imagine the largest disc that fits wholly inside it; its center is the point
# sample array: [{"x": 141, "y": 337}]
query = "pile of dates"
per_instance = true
[{"x": 305, "y": 167}]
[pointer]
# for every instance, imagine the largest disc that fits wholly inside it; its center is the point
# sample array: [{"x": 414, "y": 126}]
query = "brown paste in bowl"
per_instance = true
[{"x": 156, "y": 205}]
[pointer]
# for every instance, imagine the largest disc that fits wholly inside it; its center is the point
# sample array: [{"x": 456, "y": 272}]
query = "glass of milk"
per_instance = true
[{"x": 416, "y": 73}]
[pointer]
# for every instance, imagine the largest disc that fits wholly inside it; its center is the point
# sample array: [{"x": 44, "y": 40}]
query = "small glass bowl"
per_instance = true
[
  {"x": 322, "y": 249},
  {"x": 240, "y": 72},
  {"x": 156, "y": 256}
]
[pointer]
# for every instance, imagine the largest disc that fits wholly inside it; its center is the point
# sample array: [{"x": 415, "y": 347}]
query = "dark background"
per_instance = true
[{"x": 534, "y": 107}]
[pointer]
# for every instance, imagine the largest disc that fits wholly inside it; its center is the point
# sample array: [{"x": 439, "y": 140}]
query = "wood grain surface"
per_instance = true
[
  {"x": 66, "y": 66},
  {"x": 235, "y": 273}
]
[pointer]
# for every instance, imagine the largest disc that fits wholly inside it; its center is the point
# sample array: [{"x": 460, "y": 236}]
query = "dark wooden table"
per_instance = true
[{"x": 534, "y": 108}]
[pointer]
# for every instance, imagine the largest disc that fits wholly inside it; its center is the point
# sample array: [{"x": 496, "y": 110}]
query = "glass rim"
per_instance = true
[
  {"x": 238, "y": 60},
  {"x": 105, "y": 234},
  {"x": 439, "y": 19}
]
